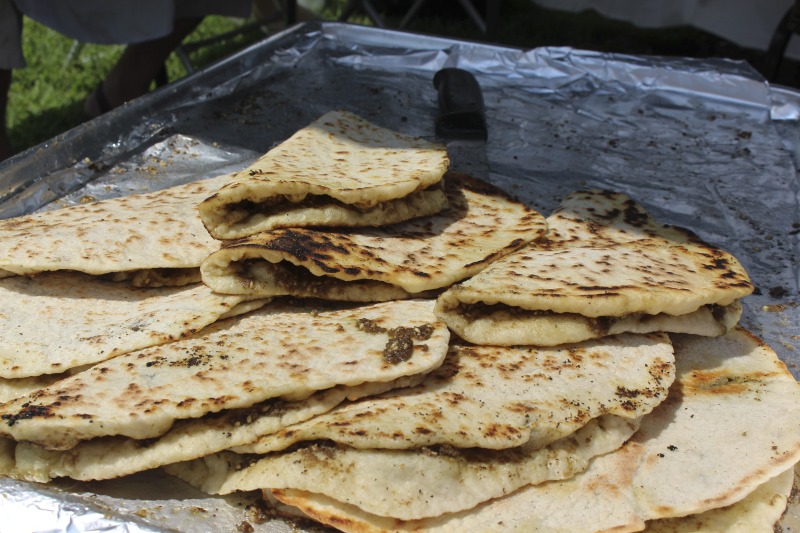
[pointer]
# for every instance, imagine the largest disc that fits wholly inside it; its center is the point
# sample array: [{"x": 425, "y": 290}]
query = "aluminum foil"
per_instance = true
[{"x": 704, "y": 144}]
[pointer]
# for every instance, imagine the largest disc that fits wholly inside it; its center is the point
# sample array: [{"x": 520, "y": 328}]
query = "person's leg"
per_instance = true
[
  {"x": 10, "y": 58},
  {"x": 136, "y": 69},
  {"x": 5, "y": 143}
]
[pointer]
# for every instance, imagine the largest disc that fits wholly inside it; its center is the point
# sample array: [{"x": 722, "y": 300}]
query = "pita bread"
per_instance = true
[
  {"x": 157, "y": 232},
  {"x": 90, "y": 320},
  {"x": 110, "y": 457},
  {"x": 500, "y": 397},
  {"x": 757, "y": 512},
  {"x": 481, "y": 225},
  {"x": 599, "y": 218},
  {"x": 614, "y": 271},
  {"x": 408, "y": 484},
  {"x": 280, "y": 351},
  {"x": 340, "y": 170},
  {"x": 729, "y": 425},
  {"x": 14, "y": 388}
]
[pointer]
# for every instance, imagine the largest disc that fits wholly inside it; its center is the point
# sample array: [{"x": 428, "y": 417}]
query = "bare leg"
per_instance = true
[{"x": 137, "y": 67}]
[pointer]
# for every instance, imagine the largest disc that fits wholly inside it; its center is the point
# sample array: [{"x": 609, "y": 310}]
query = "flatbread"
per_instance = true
[
  {"x": 605, "y": 268},
  {"x": 757, "y": 512},
  {"x": 408, "y": 484},
  {"x": 340, "y": 170},
  {"x": 158, "y": 232},
  {"x": 481, "y": 225},
  {"x": 111, "y": 457},
  {"x": 280, "y": 351},
  {"x": 601, "y": 218},
  {"x": 14, "y": 388},
  {"x": 61, "y": 320},
  {"x": 729, "y": 426},
  {"x": 500, "y": 397}
]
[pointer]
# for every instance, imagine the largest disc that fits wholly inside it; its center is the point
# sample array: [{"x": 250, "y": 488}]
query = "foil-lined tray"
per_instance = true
[{"x": 704, "y": 144}]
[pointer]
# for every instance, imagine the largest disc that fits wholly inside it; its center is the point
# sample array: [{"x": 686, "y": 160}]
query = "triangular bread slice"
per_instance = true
[
  {"x": 340, "y": 170},
  {"x": 606, "y": 267},
  {"x": 495, "y": 397},
  {"x": 481, "y": 225},
  {"x": 152, "y": 239},
  {"x": 283, "y": 350},
  {"x": 730, "y": 425},
  {"x": 57, "y": 321}
]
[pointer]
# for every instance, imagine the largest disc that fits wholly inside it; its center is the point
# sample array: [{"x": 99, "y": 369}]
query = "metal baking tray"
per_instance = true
[{"x": 704, "y": 144}]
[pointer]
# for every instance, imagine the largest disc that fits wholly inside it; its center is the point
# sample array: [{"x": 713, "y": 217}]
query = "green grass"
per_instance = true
[{"x": 46, "y": 98}]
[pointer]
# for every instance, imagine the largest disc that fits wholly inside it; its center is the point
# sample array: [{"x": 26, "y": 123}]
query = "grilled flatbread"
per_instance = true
[
  {"x": 283, "y": 350},
  {"x": 759, "y": 511},
  {"x": 606, "y": 268},
  {"x": 501, "y": 397},
  {"x": 340, "y": 170},
  {"x": 111, "y": 457},
  {"x": 61, "y": 320},
  {"x": 14, "y": 388},
  {"x": 408, "y": 484},
  {"x": 151, "y": 239},
  {"x": 728, "y": 427},
  {"x": 481, "y": 225}
]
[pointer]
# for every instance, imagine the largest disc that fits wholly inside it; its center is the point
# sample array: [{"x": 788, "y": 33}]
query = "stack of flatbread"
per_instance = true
[
  {"x": 606, "y": 267},
  {"x": 236, "y": 380},
  {"x": 345, "y": 210},
  {"x": 116, "y": 284},
  {"x": 82, "y": 284},
  {"x": 537, "y": 421},
  {"x": 382, "y": 345}
]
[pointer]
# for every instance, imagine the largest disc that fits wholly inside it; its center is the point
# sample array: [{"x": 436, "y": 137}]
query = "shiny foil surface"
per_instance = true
[{"x": 704, "y": 144}]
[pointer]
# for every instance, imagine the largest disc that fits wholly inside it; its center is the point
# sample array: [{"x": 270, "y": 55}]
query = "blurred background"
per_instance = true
[{"x": 46, "y": 97}]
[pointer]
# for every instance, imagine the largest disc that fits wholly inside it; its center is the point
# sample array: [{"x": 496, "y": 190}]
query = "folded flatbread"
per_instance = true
[
  {"x": 408, "y": 484},
  {"x": 759, "y": 511},
  {"x": 340, "y": 170},
  {"x": 57, "y": 321},
  {"x": 606, "y": 267},
  {"x": 481, "y": 225},
  {"x": 495, "y": 397},
  {"x": 150, "y": 239},
  {"x": 283, "y": 350},
  {"x": 16, "y": 387},
  {"x": 728, "y": 428},
  {"x": 111, "y": 457}
]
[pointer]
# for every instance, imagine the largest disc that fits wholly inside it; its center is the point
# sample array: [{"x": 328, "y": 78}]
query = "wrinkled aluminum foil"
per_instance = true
[{"x": 704, "y": 144}]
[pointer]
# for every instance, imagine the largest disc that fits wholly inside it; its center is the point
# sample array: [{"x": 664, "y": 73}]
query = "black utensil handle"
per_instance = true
[{"x": 461, "y": 107}]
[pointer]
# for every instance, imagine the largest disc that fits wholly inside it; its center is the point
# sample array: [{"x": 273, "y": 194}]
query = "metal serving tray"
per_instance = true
[{"x": 704, "y": 144}]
